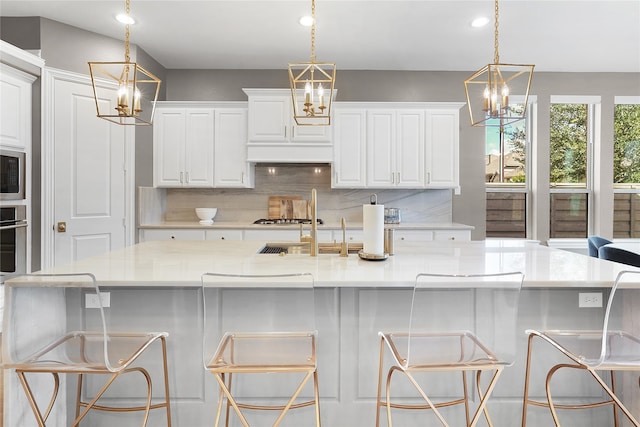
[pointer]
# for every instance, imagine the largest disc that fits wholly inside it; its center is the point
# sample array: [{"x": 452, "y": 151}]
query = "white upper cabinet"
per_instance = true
[
  {"x": 349, "y": 148},
  {"x": 443, "y": 148},
  {"x": 15, "y": 108},
  {"x": 231, "y": 166},
  {"x": 395, "y": 148},
  {"x": 183, "y": 141},
  {"x": 273, "y": 135},
  {"x": 396, "y": 145}
]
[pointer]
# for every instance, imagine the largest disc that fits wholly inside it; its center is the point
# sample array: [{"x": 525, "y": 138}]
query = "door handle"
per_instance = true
[{"x": 62, "y": 227}]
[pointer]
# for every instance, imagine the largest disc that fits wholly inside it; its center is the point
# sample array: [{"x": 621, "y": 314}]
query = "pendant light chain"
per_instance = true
[
  {"x": 496, "y": 55},
  {"x": 126, "y": 33},
  {"x": 313, "y": 31}
]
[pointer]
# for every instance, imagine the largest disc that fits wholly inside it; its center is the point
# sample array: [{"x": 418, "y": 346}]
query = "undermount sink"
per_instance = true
[{"x": 303, "y": 248}]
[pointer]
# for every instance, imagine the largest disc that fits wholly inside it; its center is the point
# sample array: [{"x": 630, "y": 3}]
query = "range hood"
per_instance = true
[{"x": 303, "y": 152}]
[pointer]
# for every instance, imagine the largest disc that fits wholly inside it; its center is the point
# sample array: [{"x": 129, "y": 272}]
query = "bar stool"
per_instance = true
[
  {"x": 56, "y": 324},
  {"x": 480, "y": 336},
  {"x": 274, "y": 335},
  {"x": 609, "y": 349},
  {"x": 620, "y": 255},
  {"x": 594, "y": 243}
]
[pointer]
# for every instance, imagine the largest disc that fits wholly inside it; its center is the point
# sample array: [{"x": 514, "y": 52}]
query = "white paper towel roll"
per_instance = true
[{"x": 373, "y": 229}]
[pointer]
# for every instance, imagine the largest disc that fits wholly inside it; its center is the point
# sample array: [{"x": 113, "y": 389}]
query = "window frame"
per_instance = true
[{"x": 594, "y": 118}]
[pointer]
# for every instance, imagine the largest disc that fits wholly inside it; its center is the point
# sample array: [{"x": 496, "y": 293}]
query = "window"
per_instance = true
[
  {"x": 626, "y": 168},
  {"x": 506, "y": 178},
  {"x": 570, "y": 141}
]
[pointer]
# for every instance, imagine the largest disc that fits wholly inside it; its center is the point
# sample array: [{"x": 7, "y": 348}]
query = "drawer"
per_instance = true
[{"x": 171, "y": 234}]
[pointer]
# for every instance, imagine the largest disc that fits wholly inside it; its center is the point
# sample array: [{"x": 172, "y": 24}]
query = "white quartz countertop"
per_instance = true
[
  {"x": 181, "y": 263},
  {"x": 326, "y": 226}
]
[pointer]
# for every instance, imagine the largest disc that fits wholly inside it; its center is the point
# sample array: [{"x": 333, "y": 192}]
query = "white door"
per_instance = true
[
  {"x": 230, "y": 159},
  {"x": 198, "y": 153},
  {"x": 410, "y": 149},
  {"x": 88, "y": 174},
  {"x": 442, "y": 148},
  {"x": 381, "y": 128},
  {"x": 169, "y": 129},
  {"x": 349, "y": 148}
]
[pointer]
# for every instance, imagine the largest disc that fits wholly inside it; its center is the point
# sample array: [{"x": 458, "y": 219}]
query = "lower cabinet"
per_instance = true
[{"x": 290, "y": 234}]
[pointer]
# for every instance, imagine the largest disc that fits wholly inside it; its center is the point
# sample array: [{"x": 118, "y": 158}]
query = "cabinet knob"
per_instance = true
[
  {"x": 173, "y": 237},
  {"x": 222, "y": 238}
]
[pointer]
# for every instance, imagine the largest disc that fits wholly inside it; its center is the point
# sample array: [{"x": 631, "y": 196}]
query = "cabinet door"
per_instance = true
[
  {"x": 310, "y": 133},
  {"x": 269, "y": 118},
  {"x": 168, "y": 147},
  {"x": 409, "y": 150},
  {"x": 15, "y": 108},
  {"x": 199, "y": 148},
  {"x": 381, "y": 129},
  {"x": 349, "y": 149},
  {"x": 442, "y": 154},
  {"x": 231, "y": 167}
]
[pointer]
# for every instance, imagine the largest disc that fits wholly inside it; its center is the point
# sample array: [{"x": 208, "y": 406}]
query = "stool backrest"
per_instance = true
[
  {"x": 594, "y": 243},
  {"x": 621, "y": 304},
  {"x": 484, "y": 306},
  {"x": 620, "y": 255},
  {"x": 44, "y": 316},
  {"x": 260, "y": 304}
]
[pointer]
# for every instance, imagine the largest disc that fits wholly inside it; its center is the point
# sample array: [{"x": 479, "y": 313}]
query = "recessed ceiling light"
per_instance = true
[
  {"x": 125, "y": 19},
  {"x": 480, "y": 22},
  {"x": 306, "y": 21}
]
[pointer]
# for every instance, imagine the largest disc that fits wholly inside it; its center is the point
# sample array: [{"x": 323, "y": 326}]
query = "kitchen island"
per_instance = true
[{"x": 355, "y": 299}]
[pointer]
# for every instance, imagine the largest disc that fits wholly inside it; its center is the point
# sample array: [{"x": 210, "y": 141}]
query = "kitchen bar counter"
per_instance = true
[
  {"x": 181, "y": 263},
  {"x": 354, "y": 300}
]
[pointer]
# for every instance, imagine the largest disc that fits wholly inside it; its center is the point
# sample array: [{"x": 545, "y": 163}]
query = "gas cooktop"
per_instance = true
[{"x": 286, "y": 221}]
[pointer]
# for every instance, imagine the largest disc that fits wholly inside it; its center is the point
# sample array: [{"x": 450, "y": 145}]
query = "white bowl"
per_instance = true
[{"x": 206, "y": 215}]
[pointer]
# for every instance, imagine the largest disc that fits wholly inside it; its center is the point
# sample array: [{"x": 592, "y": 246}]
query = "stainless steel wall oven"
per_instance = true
[{"x": 13, "y": 239}]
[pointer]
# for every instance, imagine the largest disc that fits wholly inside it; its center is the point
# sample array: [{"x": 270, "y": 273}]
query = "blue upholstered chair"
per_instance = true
[
  {"x": 619, "y": 255},
  {"x": 594, "y": 244}
]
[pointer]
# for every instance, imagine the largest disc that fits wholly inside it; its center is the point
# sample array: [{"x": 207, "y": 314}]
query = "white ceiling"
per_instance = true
[{"x": 570, "y": 35}]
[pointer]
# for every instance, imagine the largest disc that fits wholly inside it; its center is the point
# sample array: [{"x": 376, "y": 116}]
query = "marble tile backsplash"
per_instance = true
[{"x": 247, "y": 205}]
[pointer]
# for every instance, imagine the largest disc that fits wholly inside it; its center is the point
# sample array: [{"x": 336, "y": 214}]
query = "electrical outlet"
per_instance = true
[
  {"x": 590, "y": 299},
  {"x": 91, "y": 300}
]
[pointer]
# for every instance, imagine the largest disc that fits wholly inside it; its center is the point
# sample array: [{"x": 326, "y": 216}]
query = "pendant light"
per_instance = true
[
  {"x": 312, "y": 86},
  {"x": 138, "y": 89},
  {"x": 490, "y": 90}
]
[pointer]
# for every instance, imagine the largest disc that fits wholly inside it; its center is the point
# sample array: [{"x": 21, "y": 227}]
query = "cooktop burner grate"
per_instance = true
[{"x": 286, "y": 221}]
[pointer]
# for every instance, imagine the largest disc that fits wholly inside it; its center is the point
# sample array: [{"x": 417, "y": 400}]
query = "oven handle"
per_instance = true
[{"x": 19, "y": 224}]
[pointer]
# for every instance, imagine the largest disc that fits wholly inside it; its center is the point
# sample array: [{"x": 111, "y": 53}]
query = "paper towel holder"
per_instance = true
[{"x": 373, "y": 199}]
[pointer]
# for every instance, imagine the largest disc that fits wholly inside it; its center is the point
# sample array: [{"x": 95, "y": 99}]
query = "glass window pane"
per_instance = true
[
  {"x": 626, "y": 143},
  {"x": 506, "y": 153},
  {"x": 626, "y": 170},
  {"x": 626, "y": 215},
  {"x": 568, "y": 215},
  {"x": 568, "y": 145},
  {"x": 506, "y": 214}
]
